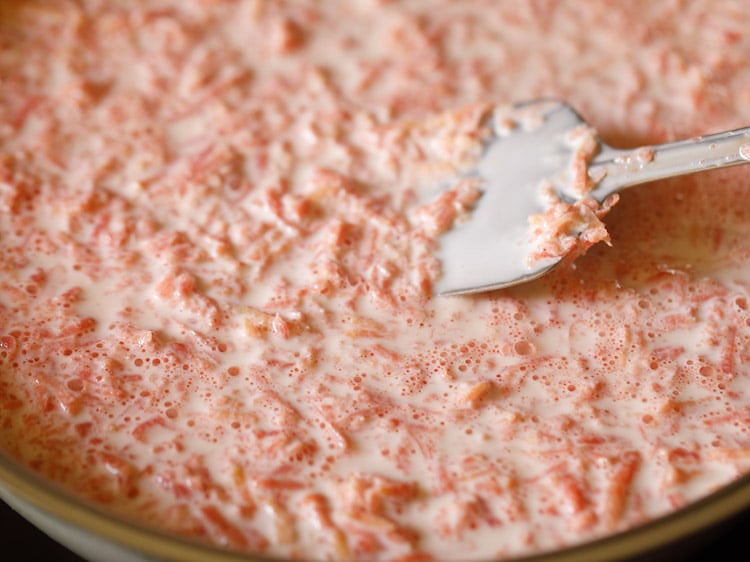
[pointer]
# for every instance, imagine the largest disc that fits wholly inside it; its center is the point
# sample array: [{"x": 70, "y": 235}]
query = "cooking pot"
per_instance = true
[{"x": 715, "y": 527}]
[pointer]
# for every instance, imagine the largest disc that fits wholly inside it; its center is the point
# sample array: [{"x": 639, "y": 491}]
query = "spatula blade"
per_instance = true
[{"x": 492, "y": 249}]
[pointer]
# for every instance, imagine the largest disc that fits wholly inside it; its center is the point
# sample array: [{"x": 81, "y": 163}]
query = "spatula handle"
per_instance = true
[{"x": 619, "y": 169}]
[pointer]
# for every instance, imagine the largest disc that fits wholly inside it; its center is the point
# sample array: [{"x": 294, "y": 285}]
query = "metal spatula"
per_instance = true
[{"x": 492, "y": 249}]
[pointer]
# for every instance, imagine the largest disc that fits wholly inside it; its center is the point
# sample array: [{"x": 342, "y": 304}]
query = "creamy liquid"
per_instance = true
[{"x": 218, "y": 260}]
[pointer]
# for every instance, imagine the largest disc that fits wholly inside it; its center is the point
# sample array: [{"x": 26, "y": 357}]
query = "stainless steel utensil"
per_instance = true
[{"x": 491, "y": 250}]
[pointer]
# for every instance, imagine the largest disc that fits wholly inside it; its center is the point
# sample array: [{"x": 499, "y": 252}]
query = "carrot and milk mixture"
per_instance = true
[{"x": 218, "y": 238}]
